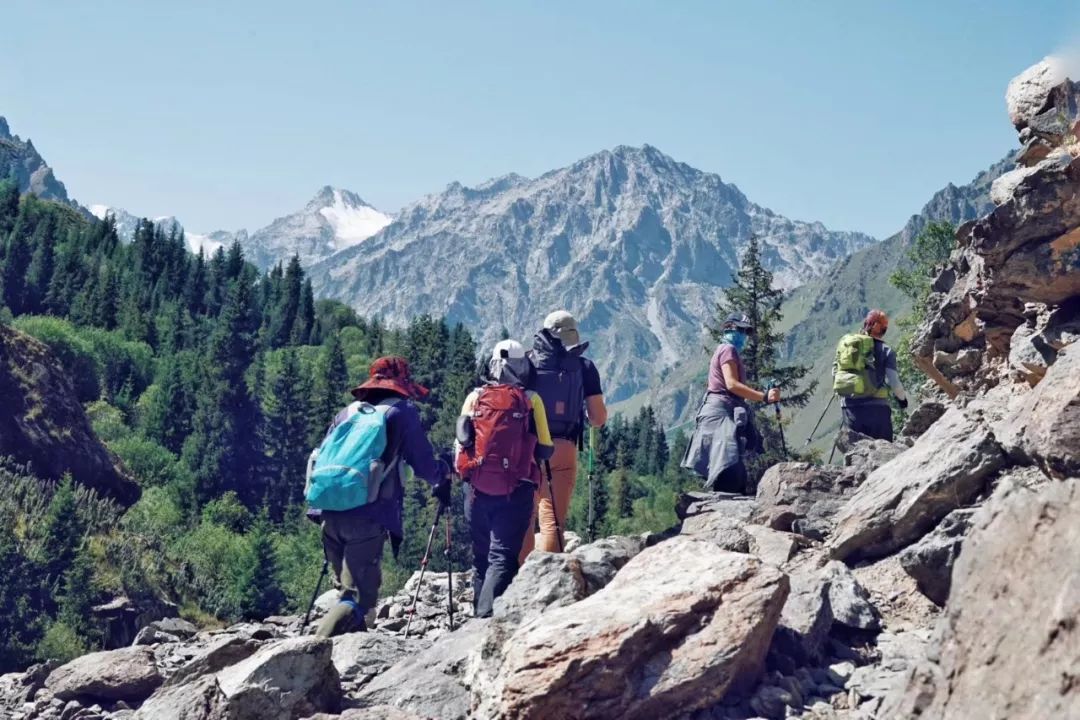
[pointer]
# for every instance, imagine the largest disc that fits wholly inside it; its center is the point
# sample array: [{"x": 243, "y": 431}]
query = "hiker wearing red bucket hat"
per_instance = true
[{"x": 355, "y": 480}]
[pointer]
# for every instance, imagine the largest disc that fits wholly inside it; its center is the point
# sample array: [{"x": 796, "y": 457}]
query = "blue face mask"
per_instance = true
[{"x": 736, "y": 338}]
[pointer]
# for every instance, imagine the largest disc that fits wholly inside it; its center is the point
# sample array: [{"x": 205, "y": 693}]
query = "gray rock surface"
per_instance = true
[
  {"x": 1010, "y": 638},
  {"x": 905, "y": 498},
  {"x": 680, "y": 624},
  {"x": 801, "y": 495},
  {"x": 124, "y": 674},
  {"x": 930, "y": 561}
]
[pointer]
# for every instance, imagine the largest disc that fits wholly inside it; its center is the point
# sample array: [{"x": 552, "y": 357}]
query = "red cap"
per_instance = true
[{"x": 390, "y": 373}]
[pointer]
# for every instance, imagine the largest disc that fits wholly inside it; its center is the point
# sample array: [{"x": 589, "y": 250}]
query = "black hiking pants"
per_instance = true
[
  {"x": 497, "y": 526},
  {"x": 873, "y": 420}
]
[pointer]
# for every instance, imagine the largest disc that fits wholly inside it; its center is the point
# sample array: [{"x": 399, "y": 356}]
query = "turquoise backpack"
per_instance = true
[{"x": 347, "y": 470}]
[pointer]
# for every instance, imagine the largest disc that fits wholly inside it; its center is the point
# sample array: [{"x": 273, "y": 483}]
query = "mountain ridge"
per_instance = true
[{"x": 658, "y": 237}]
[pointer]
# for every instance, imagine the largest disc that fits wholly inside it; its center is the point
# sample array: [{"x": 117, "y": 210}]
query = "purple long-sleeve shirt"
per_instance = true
[{"x": 405, "y": 432}]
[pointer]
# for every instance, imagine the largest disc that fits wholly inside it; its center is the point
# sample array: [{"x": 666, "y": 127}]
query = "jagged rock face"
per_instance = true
[
  {"x": 1044, "y": 428},
  {"x": 930, "y": 561},
  {"x": 1027, "y": 250},
  {"x": 907, "y": 496},
  {"x": 636, "y": 245},
  {"x": 42, "y": 422},
  {"x": 21, "y": 160}
]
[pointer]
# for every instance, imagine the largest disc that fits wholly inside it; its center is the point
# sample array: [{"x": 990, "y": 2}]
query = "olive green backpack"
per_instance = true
[{"x": 855, "y": 371}]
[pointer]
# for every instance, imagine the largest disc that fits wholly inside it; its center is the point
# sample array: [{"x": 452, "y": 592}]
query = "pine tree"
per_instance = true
[
  {"x": 330, "y": 394},
  {"x": 260, "y": 580},
  {"x": 39, "y": 274},
  {"x": 17, "y": 257},
  {"x": 196, "y": 285},
  {"x": 223, "y": 447},
  {"x": 285, "y": 436},
  {"x": 753, "y": 294},
  {"x": 61, "y": 532},
  {"x": 9, "y": 206},
  {"x": 307, "y": 322}
]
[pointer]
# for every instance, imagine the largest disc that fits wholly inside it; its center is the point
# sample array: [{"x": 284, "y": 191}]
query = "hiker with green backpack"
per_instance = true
[
  {"x": 502, "y": 437},
  {"x": 724, "y": 429},
  {"x": 863, "y": 376},
  {"x": 355, "y": 488}
]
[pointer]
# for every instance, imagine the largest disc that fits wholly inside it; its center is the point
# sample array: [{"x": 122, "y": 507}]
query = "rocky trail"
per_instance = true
[{"x": 935, "y": 577}]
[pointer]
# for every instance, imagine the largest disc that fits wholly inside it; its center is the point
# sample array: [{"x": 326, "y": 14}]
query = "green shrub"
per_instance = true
[
  {"x": 127, "y": 367},
  {"x": 215, "y": 560},
  {"x": 150, "y": 463},
  {"x": 60, "y": 643},
  {"x": 156, "y": 515},
  {"x": 299, "y": 558},
  {"x": 107, "y": 421},
  {"x": 228, "y": 512}
]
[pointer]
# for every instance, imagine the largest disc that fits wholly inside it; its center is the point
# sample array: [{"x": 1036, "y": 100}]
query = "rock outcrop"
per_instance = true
[
  {"x": 43, "y": 424},
  {"x": 662, "y": 635},
  {"x": 1010, "y": 644}
]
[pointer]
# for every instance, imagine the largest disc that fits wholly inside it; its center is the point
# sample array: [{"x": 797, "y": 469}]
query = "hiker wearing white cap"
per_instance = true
[
  {"x": 569, "y": 385},
  {"x": 502, "y": 435}
]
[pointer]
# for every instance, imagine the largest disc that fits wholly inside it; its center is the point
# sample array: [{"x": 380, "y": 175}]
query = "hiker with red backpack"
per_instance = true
[
  {"x": 355, "y": 486},
  {"x": 569, "y": 385},
  {"x": 502, "y": 435}
]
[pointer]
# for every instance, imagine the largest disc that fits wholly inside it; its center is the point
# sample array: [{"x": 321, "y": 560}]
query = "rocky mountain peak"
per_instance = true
[
  {"x": 20, "y": 159},
  {"x": 639, "y": 246}
]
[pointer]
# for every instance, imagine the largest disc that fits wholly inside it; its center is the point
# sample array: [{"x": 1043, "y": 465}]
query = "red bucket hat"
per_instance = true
[{"x": 390, "y": 373}]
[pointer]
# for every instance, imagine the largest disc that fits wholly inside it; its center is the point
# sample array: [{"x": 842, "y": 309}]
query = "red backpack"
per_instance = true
[{"x": 502, "y": 451}]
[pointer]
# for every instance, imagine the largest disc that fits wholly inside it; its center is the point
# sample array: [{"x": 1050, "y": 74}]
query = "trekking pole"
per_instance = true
[
  {"x": 423, "y": 567},
  {"x": 449, "y": 574},
  {"x": 554, "y": 510},
  {"x": 315, "y": 595},
  {"x": 779, "y": 420},
  {"x": 592, "y": 491},
  {"x": 810, "y": 437}
]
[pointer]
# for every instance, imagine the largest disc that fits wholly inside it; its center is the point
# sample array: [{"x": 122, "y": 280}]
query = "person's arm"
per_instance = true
[
  {"x": 737, "y": 387},
  {"x": 416, "y": 450},
  {"x": 595, "y": 408},
  {"x": 892, "y": 378},
  {"x": 545, "y": 447}
]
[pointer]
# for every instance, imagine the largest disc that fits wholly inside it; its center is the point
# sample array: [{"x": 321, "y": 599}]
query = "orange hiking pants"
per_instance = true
[{"x": 563, "y": 476}]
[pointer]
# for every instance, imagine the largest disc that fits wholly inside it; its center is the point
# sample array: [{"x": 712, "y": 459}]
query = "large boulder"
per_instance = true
[
  {"x": 124, "y": 674},
  {"x": 1010, "y": 644},
  {"x": 802, "y": 497},
  {"x": 719, "y": 518},
  {"x": 930, "y": 561},
  {"x": 43, "y": 424},
  {"x": 681, "y": 624},
  {"x": 1029, "y": 92},
  {"x": 359, "y": 657},
  {"x": 217, "y": 655},
  {"x": 429, "y": 683},
  {"x": 1045, "y": 427},
  {"x": 283, "y": 680},
  {"x": 905, "y": 498}
]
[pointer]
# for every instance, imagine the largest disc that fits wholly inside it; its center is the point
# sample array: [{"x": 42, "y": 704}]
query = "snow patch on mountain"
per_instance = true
[{"x": 351, "y": 222}]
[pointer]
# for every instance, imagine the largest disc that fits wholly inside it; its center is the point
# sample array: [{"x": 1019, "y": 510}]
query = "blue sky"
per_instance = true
[{"x": 228, "y": 114}]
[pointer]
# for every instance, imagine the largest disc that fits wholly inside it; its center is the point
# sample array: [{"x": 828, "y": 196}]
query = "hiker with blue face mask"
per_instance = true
[{"x": 724, "y": 431}]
